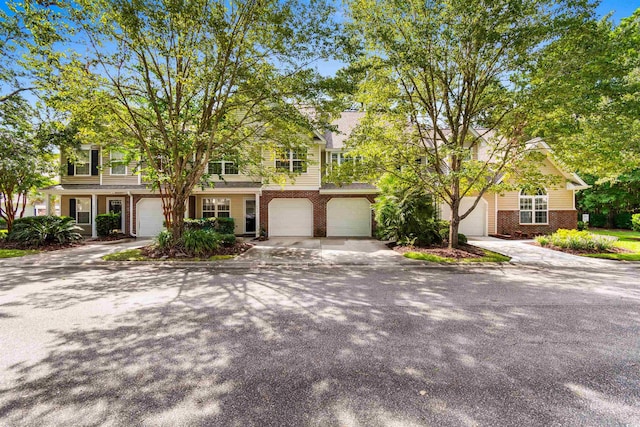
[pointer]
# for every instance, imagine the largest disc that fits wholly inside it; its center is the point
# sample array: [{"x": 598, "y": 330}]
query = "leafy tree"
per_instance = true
[
  {"x": 431, "y": 72},
  {"x": 29, "y": 31},
  {"x": 587, "y": 88},
  {"x": 24, "y": 165},
  {"x": 611, "y": 197},
  {"x": 177, "y": 84}
]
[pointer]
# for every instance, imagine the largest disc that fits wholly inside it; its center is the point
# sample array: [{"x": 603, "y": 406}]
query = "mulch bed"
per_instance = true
[
  {"x": 235, "y": 249},
  {"x": 464, "y": 251},
  {"x": 46, "y": 248}
]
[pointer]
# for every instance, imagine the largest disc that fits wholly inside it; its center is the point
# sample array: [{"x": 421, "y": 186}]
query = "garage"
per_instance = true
[
  {"x": 476, "y": 223},
  {"x": 290, "y": 217},
  {"x": 348, "y": 217},
  {"x": 149, "y": 217}
]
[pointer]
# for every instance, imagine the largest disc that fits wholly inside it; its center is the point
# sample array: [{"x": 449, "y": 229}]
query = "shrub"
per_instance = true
[
  {"x": 3, "y": 224},
  {"x": 220, "y": 225},
  {"x": 583, "y": 225},
  {"x": 107, "y": 223},
  {"x": 462, "y": 239},
  {"x": 577, "y": 240},
  {"x": 623, "y": 220},
  {"x": 635, "y": 222},
  {"x": 227, "y": 239},
  {"x": 406, "y": 215},
  {"x": 597, "y": 220},
  {"x": 40, "y": 230},
  {"x": 200, "y": 242},
  {"x": 164, "y": 239}
]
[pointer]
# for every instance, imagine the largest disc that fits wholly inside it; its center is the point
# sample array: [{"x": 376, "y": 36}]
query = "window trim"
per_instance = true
[
  {"x": 89, "y": 211},
  {"x": 216, "y": 207},
  {"x": 291, "y": 159},
  {"x": 223, "y": 167},
  {"x": 88, "y": 163},
  {"x": 111, "y": 159},
  {"x": 533, "y": 209}
]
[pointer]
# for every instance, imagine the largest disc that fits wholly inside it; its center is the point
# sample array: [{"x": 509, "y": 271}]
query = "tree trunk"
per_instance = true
[
  {"x": 454, "y": 221},
  {"x": 177, "y": 216}
]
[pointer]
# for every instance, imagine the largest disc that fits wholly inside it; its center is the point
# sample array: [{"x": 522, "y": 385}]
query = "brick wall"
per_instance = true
[
  {"x": 509, "y": 222},
  {"x": 319, "y": 202}
]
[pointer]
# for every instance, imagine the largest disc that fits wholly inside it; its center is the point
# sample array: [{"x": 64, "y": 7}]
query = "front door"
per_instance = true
[
  {"x": 249, "y": 216},
  {"x": 116, "y": 206}
]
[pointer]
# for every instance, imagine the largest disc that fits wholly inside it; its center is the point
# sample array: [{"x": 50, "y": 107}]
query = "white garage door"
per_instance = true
[
  {"x": 290, "y": 217},
  {"x": 149, "y": 217},
  {"x": 476, "y": 223},
  {"x": 349, "y": 217}
]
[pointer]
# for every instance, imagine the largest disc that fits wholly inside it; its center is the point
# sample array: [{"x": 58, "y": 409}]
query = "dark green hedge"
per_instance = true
[
  {"x": 219, "y": 225},
  {"x": 107, "y": 223}
]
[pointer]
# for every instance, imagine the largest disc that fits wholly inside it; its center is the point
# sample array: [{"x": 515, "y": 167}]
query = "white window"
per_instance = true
[
  {"x": 83, "y": 211},
  {"x": 223, "y": 167},
  {"x": 291, "y": 160},
  {"x": 534, "y": 207},
  {"x": 118, "y": 166},
  {"x": 341, "y": 158},
  {"x": 218, "y": 208},
  {"x": 83, "y": 163}
]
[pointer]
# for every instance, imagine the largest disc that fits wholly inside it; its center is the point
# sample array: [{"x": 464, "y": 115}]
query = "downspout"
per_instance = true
[{"x": 131, "y": 207}]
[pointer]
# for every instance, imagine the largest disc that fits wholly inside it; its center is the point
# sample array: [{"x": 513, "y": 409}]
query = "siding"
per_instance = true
[
  {"x": 108, "y": 179},
  {"x": 491, "y": 212},
  {"x": 559, "y": 197},
  {"x": 237, "y": 207},
  {"x": 311, "y": 178},
  {"x": 66, "y": 179}
]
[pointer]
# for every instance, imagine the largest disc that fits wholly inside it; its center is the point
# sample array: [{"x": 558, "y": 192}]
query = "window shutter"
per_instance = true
[
  {"x": 70, "y": 168},
  {"x": 72, "y": 209},
  {"x": 94, "y": 162},
  {"x": 192, "y": 207}
]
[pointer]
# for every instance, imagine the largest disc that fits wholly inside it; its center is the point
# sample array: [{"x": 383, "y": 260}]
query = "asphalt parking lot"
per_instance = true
[{"x": 317, "y": 346}]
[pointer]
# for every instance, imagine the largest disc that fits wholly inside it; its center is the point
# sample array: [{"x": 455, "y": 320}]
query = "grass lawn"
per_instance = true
[
  {"x": 627, "y": 239},
  {"x": 13, "y": 253},
  {"x": 489, "y": 256},
  {"x": 136, "y": 255}
]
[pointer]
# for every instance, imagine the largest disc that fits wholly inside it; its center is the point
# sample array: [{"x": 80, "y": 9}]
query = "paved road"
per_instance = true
[{"x": 348, "y": 346}]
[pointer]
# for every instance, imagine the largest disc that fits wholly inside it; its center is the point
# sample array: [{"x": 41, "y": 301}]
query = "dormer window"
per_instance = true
[{"x": 534, "y": 206}]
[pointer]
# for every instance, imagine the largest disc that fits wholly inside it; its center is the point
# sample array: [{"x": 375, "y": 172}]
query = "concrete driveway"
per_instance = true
[
  {"x": 315, "y": 251},
  {"x": 524, "y": 252}
]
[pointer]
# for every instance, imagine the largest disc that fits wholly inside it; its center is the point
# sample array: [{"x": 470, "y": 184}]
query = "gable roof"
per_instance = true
[{"x": 344, "y": 124}]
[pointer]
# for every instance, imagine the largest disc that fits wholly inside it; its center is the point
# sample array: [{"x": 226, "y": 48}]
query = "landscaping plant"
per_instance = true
[
  {"x": 107, "y": 223},
  {"x": 635, "y": 222},
  {"x": 42, "y": 230},
  {"x": 576, "y": 240}
]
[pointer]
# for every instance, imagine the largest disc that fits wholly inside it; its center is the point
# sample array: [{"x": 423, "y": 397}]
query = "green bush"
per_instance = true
[
  {"x": 107, "y": 223},
  {"x": 3, "y": 224},
  {"x": 623, "y": 220},
  {"x": 583, "y": 225},
  {"x": 406, "y": 215},
  {"x": 576, "y": 240},
  {"x": 597, "y": 220},
  {"x": 227, "y": 239},
  {"x": 220, "y": 225},
  {"x": 635, "y": 222},
  {"x": 200, "y": 242},
  {"x": 462, "y": 239},
  {"x": 40, "y": 230},
  {"x": 164, "y": 239}
]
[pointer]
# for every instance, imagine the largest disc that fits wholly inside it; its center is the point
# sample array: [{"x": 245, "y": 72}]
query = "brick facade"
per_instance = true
[
  {"x": 319, "y": 202},
  {"x": 509, "y": 222}
]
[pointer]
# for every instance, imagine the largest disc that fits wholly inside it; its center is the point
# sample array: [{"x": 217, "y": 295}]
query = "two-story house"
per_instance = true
[{"x": 98, "y": 183}]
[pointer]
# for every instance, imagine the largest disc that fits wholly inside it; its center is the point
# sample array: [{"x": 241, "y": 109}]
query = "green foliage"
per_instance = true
[
  {"x": 164, "y": 239},
  {"x": 488, "y": 256},
  {"x": 3, "y": 224},
  {"x": 583, "y": 225},
  {"x": 228, "y": 239},
  {"x": 429, "y": 72},
  {"x": 597, "y": 220},
  {"x": 462, "y": 239},
  {"x": 577, "y": 240},
  {"x": 635, "y": 222},
  {"x": 200, "y": 242},
  {"x": 107, "y": 223},
  {"x": 42, "y": 230},
  {"x": 406, "y": 215},
  {"x": 14, "y": 253},
  {"x": 220, "y": 225},
  {"x": 609, "y": 197},
  {"x": 623, "y": 220}
]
